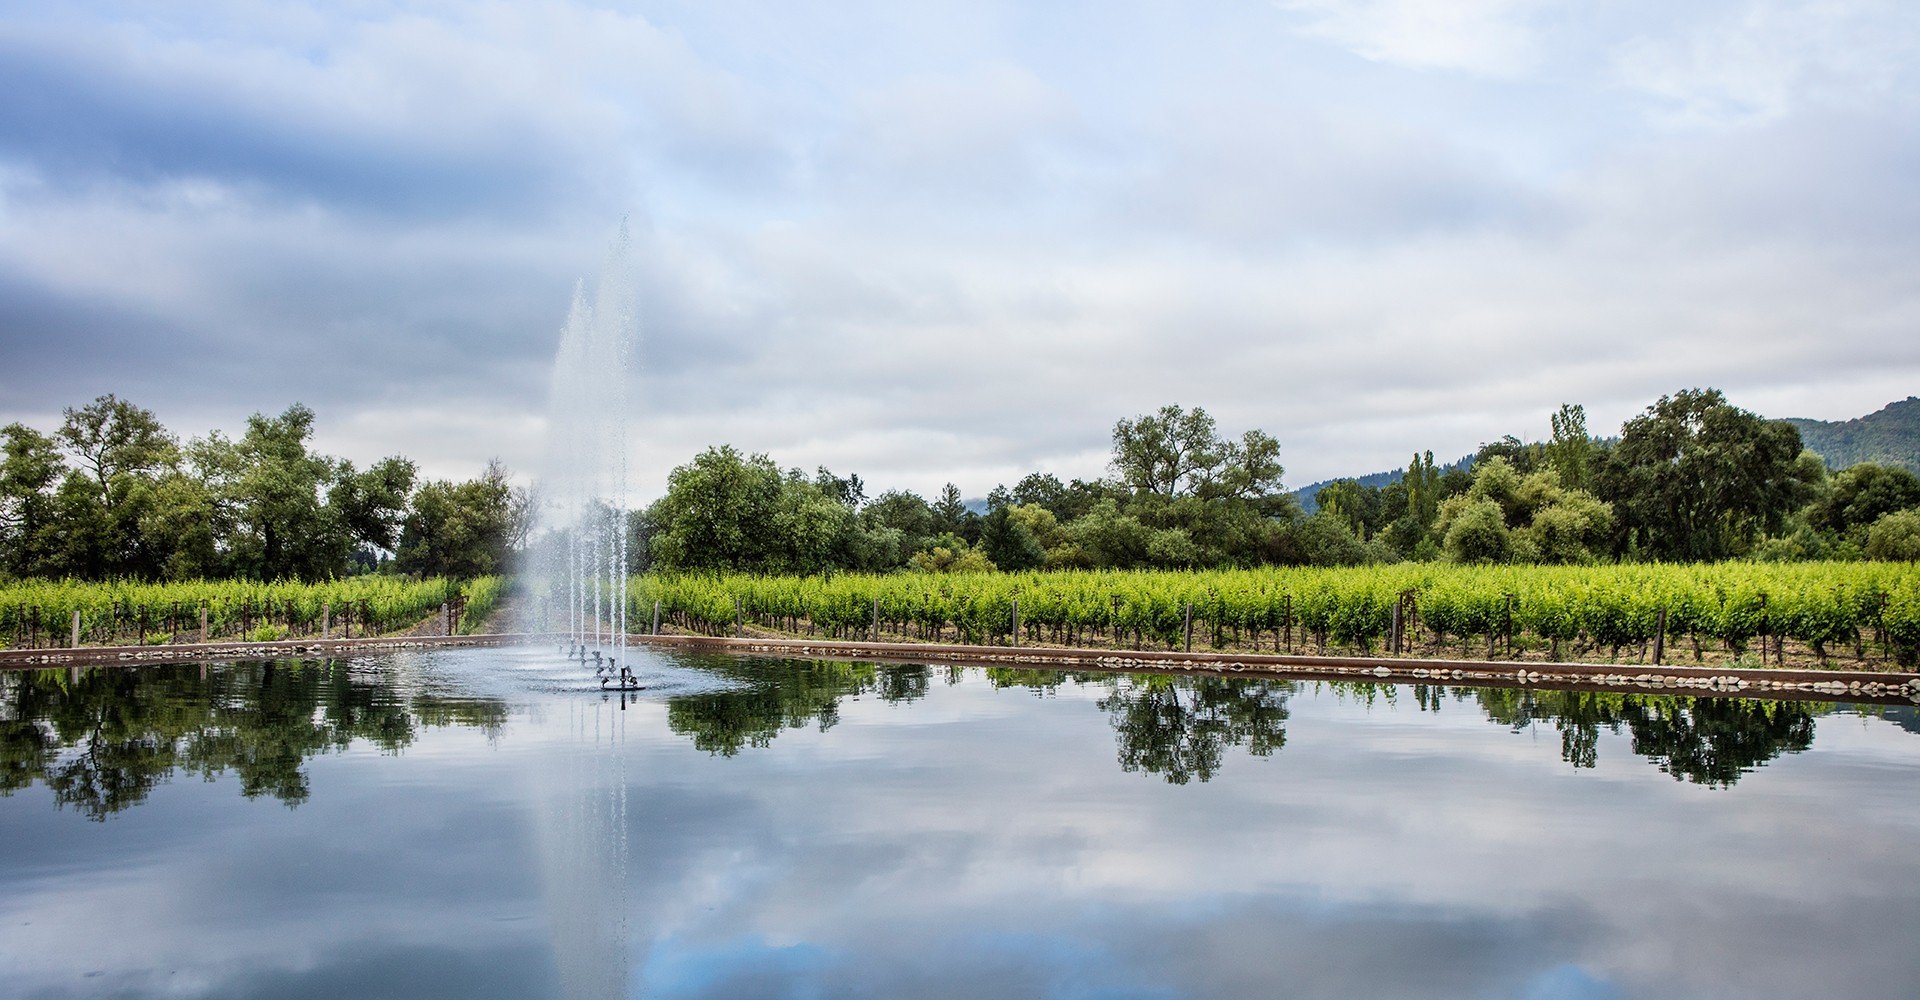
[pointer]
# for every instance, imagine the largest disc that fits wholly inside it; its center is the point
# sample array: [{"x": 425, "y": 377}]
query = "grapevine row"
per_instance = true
[
  {"x": 1826, "y": 609},
  {"x": 40, "y": 612}
]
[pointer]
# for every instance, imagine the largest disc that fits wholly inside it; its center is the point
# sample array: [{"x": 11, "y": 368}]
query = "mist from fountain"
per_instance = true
[{"x": 577, "y": 569}]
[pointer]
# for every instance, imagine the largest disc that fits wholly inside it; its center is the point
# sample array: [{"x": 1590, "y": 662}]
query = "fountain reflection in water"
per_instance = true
[
  {"x": 582, "y": 824},
  {"x": 578, "y": 567}
]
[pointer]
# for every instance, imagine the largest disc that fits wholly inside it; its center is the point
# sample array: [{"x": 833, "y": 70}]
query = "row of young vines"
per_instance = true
[
  {"x": 1860, "y": 610},
  {"x": 38, "y": 613}
]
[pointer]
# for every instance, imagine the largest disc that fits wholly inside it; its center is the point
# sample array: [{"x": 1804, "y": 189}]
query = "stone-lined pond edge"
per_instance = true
[{"x": 1799, "y": 684}]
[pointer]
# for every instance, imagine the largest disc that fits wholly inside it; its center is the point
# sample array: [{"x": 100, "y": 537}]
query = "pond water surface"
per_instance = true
[{"x": 488, "y": 823}]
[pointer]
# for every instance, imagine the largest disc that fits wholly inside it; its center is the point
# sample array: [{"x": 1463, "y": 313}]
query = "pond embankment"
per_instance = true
[
  {"x": 1715, "y": 681},
  {"x": 1825, "y": 685}
]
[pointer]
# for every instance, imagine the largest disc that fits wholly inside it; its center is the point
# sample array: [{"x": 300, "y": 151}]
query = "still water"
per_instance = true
[{"x": 488, "y": 823}]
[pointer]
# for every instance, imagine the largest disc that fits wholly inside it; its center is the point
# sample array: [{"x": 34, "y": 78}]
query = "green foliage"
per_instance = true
[
  {"x": 459, "y": 529},
  {"x": 1176, "y": 453},
  {"x": 28, "y": 523},
  {"x": 1325, "y": 540},
  {"x": 1895, "y": 537},
  {"x": 372, "y": 505},
  {"x": 1612, "y": 605},
  {"x": 1859, "y": 495},
  {"x": 267, "y": 488},
  {"x": 113, "y": 495},
  {"x": 726, "y": 511},
  {"x": 123, "y": 610},
  {"x": 1474, "y": 529},
  {"x": 1571, "y": 450},
  {"x": 1009, "y": 543},
  {"x": 950, "y": 554},
  {"x": 1696, "y": 478}
]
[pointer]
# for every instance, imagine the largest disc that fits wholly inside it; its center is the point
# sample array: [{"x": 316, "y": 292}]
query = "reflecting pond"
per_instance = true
[{"x": 489, "y": 823}]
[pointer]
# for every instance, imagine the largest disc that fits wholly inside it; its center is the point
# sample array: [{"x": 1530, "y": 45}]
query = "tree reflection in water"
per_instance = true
[
  {"x": 102, "y": 739},
  {"x": 1707, "y": 741},
  {"x": 1179, "y": 728},
  {"x": 787, "y": 695}
]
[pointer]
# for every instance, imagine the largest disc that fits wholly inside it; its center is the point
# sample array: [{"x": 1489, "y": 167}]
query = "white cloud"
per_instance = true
[
  {"x": 1761, "y": 61},
  {"x": 1486, "y": 37},
  {"x": 952, "y": 247}
]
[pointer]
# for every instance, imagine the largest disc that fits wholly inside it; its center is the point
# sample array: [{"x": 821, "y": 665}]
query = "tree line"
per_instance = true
[
  {"x": 112, "y": 494},
  {"x": 1692, "y": 478}
]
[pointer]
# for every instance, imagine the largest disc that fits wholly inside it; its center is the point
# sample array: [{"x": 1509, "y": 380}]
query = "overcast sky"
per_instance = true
[{"x": 930, "y": 241}]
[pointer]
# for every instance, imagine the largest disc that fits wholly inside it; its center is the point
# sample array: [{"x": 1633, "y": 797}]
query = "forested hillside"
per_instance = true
[{"x": 1889, "y": 436}]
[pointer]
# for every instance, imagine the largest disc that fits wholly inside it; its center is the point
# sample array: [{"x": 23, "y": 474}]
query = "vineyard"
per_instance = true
[
  {"x": 41, "y": 613},
  {"x": 1856, "y": 613},
  {"x": 1809, "y": 612}
]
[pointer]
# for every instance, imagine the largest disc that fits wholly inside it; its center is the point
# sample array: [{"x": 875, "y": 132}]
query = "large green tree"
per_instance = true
[
  {"x": 111, "y": 504},
  {"x": 1861, "y": 494},
  {"x": 268, "y": 491},
  {"x": 28, "y": 522},
  {"x": 1176, "y": 452},
  {"x": 728, "y": 511},
  {"x": 1206, "y": 499},
  {"x": 1571, "y": 451},
  {"x": 1695, "y": 477},
  {"x": 459, "y": 529}
]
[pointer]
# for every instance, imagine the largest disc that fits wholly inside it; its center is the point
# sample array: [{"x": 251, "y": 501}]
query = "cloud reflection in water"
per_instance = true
[{"x": 848, "y": 830}]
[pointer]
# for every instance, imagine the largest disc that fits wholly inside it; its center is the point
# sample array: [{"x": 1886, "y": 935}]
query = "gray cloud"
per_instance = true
[{"x": 957, "y": 242}]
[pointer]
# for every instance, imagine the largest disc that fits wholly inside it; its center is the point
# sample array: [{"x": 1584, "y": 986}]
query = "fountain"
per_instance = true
[{"x": 578, "y": 565}]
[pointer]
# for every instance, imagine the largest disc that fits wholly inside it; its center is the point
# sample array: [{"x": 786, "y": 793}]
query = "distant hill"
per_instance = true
[
  {"x": 1890, "y": 436},
  {"x": 1307, "y": 496}
]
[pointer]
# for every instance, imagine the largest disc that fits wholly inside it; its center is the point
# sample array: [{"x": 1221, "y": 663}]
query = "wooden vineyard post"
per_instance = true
[
  {"x": 326, "y": 620},
  {"x": 656, "y": 617},
  {"x": 1409, "y": 621},
  {"x": 1393, "y": 631},
  {"x": 1189, "y": 628},
  {"x": 1286, "y": 619},
  {"x": 739, "y": 619},
  {"x": 1659, "y": 635},
  {"x": 876, "y": 619},
  {"x": 76, "y": 628},
  {"x": 203, "y": 621},
  {"x": 1511, "y": 600}
]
